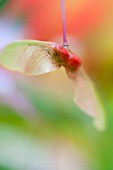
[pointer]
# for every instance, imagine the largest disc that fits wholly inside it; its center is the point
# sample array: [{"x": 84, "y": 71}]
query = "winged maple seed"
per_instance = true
[{"x": 38, "y": 57}]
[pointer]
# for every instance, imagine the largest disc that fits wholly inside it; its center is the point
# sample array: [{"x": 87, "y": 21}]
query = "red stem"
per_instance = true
[{"x": 65, "y": 44}]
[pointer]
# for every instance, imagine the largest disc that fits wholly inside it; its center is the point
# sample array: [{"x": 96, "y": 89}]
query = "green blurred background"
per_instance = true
[{"x": 40, "y": 126}]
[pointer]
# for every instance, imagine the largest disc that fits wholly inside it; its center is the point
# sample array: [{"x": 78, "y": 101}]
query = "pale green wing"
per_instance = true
[
  {"x": 85, "y": 96},
  {"x": 29, "y": 57}
]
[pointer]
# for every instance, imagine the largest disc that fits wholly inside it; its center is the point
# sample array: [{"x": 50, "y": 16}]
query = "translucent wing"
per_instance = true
[
  {"x": 29, "y": 57},
  {"x": 86, "y": 98}
]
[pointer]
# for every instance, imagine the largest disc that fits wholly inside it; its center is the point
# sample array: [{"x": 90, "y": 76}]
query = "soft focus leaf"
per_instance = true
[{"x": 2, "y": 3}]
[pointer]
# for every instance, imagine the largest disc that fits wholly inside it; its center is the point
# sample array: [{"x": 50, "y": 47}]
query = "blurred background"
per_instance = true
[{"x": 40, "y": 126}]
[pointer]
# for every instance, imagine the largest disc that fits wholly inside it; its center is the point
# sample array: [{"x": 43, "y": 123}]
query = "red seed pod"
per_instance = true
[
  {"x": 59, "y": 50},
  {"x": 73, "y": 62}
]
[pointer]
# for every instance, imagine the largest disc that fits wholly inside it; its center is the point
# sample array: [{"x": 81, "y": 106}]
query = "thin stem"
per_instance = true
[{"x": 65, "y": 44}]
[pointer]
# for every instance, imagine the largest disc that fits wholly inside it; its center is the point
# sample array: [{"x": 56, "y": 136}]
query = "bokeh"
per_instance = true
[{"x": 41, "y": 128}]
